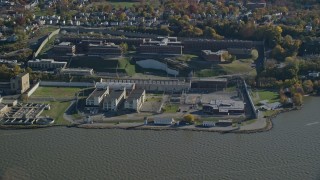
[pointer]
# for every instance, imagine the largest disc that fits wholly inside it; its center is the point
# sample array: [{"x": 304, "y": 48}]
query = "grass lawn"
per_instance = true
[
  {"x": 249, "y": 122},
  {"x": 56, "y": 111},
  {"x": 239, "y": 67},
  {"x": 261, "y": 95},
  {"x": 56, "y": 92},
  {"x": 186, "y": 57},
  {"x": 43, "y": 31},
  {"x": 172, "y": 108},
  {"x": 231, "y": 89},
  {"x": 154, "y": 99},
  {"x": 77, "y": 116},
  {"x": 129, "y": 68},
  {"x": 48, "y": 45}
]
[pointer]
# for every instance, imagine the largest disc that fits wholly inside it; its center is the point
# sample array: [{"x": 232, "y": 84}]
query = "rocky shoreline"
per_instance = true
[{"x": 140, "y": 126}]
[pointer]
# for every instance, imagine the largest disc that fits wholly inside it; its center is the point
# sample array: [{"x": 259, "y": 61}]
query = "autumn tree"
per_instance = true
[
  {"x": 124, "y": 47},
  {"x": 189, "y": 118},
  {"x": 307, "y": 86},
  {"x": 297, "y": 99},
  {"x": 16, "y": 70}
]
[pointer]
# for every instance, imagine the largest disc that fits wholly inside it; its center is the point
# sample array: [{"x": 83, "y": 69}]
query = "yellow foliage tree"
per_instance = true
[{"x": 189, "y": 118}]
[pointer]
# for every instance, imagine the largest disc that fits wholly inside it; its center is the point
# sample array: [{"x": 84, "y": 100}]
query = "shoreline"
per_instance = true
[{"x": 141, "y": 126}]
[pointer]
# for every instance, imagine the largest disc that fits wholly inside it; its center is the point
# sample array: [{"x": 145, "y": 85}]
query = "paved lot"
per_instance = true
[
  {"x": 153, "y": 103},
  {"x": 207, "y": 97}
]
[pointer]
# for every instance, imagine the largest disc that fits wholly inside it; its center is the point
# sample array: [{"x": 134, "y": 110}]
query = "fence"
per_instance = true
[{"x": 44, "y": 42}]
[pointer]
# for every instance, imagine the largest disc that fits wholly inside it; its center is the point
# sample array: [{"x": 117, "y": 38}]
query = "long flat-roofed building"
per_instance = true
[
  {"x": 46, "y": 64},
  {"x": 135, "y": 100},
  {"x": 64, "y": 48},
  {"x": 214, "y": 56},
  {"x": 225, "y": 107},
  {"x": 77, "y": 71},
  {"x": 116, "y": 85},
  {"x": 214, "y": 84},
  {"x": 163, "y": 45},
  {"x": 172, "y": 85},
  {"x": 104, "y": 49}
]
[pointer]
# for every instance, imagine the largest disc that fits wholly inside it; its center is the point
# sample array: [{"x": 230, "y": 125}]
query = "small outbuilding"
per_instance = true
[
  {"x": 224, "y": 123},
  {"x": 208, "y": 124},
  {"x": 163, "y": 121}
]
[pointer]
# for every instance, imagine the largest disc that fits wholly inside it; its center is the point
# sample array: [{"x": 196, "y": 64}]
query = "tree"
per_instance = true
[
  {"x": 254, "y": 54},
  {"x": 122, "y": 16},
  {"x": 197, "y": 31},
  {"x": 4, "y": 72},
  {"x": 29, "y": 70},
  {"x": 16, "y": 70},
  {"x": 278, "y": 52},
  {"x": 211, "y": 33},
  {"x": 307, "y": 86},
  {"x": 297, "y": 99},
  {"x": 283, "y": 99},
  {"x": 124, "y": 47},
  {"x": 189, "y": 118}
]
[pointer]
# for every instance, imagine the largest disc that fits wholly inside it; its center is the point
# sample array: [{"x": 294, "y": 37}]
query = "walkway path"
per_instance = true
[{"x": 260, "y": 123}]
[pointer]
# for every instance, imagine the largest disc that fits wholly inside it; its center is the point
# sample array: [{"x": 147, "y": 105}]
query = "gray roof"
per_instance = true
[
  {"x": 113, "y": 95},
  {"x": 135, "y": 94},
  {"x": 97, "y": 93},
  {"x": 115, "y": 85}
]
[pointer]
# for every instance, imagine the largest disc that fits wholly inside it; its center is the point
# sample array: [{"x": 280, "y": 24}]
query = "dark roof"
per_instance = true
[
  {"x": 113, "y": 95},
  {"x": 97, "y": 93},
  {"x": 135, "y": 94}
]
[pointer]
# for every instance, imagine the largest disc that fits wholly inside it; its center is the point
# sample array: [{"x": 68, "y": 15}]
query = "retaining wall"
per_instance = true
[
  {"x": 66, "y": 84},
  {"x": 247, "y": 94},
  {"x": 44, "y": 42},
  {"x": 33, "y": 89}
]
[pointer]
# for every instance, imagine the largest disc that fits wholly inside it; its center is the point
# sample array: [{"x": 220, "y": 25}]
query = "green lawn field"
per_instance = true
[
  {"x": 56, "y": 92},
  {"x": 56, "y": 112},
  {"x": 260, "y": 95}
]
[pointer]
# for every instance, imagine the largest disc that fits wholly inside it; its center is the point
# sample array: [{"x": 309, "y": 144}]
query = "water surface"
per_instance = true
[{"x": 289, "y": 151}]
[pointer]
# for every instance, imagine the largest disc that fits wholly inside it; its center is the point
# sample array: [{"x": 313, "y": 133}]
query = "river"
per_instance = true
[{"x": 291, "y": 150}]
